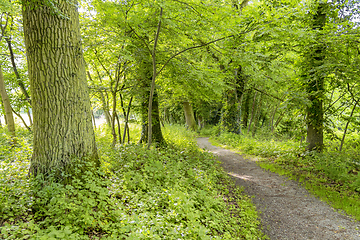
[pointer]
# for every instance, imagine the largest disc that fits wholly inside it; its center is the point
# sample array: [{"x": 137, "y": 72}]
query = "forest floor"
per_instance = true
[{"x": 287, "y": 210}]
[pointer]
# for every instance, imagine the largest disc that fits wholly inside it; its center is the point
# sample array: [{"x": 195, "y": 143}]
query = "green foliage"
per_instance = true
[
  {"x": 210, "y": 130},
  {"x": 261, "y": 146},
  {"x": 178, "y": 192}
]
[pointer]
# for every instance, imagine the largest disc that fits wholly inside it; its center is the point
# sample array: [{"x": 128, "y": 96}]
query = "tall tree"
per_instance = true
[
  {"x": 62, "y": 115},
  {"x": 314, "y": 79}
]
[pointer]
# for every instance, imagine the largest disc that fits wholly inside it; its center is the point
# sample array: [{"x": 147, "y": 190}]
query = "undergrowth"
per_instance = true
[
  {"x": 332, "y": 176},
  {"x": 178, "y": 192}
]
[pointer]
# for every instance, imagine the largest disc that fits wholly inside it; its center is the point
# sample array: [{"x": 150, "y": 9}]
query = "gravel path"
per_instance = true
[{"x": 288, "y": 211}]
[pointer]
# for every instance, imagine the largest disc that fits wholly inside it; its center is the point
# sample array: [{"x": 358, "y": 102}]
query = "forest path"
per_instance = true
[{"x": 287, "y": 210}]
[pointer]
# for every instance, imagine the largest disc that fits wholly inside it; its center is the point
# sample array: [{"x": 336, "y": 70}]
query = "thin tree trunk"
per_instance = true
[
  {"x": 346, "y": 126},
  {"x": 113, "y": 131},
  {"x": 104, "y": 104},
  {"x": 128, "y": 133},
  {"x": 93, "y": 118},
  {"x": 22, "y": 119},
  {"x": 153, "y": 80},
  {"x": 257, "y": 116},
  {"x": 119, "y": 128},
  {"x": 29, "y": 115},
  {"x": 8, "y": 110},
  {"x": 273, "y": 117},
  {"x": 126, "y": 116},
  {"x": 279, "y": 119},
  {"x": 19, "y": 81},
  {"x": 252, "y": 112},
  {"x": 246, "y": 109}
]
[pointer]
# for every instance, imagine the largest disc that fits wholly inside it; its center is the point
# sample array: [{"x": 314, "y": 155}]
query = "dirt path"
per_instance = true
[{"x": 288, "y": 211}]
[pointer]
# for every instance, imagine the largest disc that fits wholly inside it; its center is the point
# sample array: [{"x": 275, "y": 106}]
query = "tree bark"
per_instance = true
[
  {"x": 189, "y": 116},
  {"x": 257, "y": 116},
  {"x": 60, "y": 100},
  {"x": 315, "y": 86},
  {"x": 152, "y": 89},
  {"x": 8, "y": 110},
  {"x": 119, "y": 128},
  {"x": 145, "y": 80},
  {"x": 253, "y": 112},
  {"x": 246, "y": 109}
]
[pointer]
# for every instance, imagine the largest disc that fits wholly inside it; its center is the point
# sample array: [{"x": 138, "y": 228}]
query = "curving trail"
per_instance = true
[{"x": 288, "y": 211}]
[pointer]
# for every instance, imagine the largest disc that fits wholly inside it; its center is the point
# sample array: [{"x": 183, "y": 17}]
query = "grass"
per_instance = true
[
  {"x": 178, "y": 192},
  {"x": 332, "y": 176}
]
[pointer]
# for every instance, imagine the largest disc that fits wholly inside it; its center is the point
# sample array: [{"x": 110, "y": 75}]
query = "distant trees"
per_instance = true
[{"x": 253, "y": 65}]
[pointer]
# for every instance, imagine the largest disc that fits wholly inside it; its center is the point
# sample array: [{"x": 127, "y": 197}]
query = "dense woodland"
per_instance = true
[{"x": 276, "y": 79}]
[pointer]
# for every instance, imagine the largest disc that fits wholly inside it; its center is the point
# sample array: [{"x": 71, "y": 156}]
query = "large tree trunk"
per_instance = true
[
  {"x": 315, "y": 86},
  {"x": 157, "y": 136},
  {"x": 145, "y": 79},
  {"x": 8, "y": 111},
  {"x": 189, "y": 116},
  {"x": 62, "y": 114}
]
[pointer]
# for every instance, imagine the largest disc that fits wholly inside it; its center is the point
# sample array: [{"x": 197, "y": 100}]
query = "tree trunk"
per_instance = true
[
  {"x": 29, "y": 115},
  {"x": 8, "y": 110},
  {"x": 144, "y": 86},
  {"x": 246, "y": 109},
  {"x": 189, "y": 116},
  {"x": 113, "y": 118},
  {"x": 22, "y": 119},
  {"x": 93, "y": 119},
  {"x": 346, "y": 127},
  {"x": 315, "y": 86},
  {"x": 119, "y": 128},
  {"x": 126, "y": 116},
  {"x": 104, "y": 104},
  {"x": 152, "y": 88},
  {"x": 257, "y": 116},
  {"x": 60, "y": 100},
  {"x": 157, "y": 136},
  {"x": 19, "y": 81},
  {"x": 253, "y": 112}
]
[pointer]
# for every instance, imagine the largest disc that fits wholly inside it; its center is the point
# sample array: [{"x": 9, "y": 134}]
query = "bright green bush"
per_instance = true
[
  {"x": 178, "y": 192},
  {"x": 260, "y": 147}
]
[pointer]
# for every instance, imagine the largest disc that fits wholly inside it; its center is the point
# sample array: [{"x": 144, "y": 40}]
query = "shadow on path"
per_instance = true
[{"x": 287, "y": 210}]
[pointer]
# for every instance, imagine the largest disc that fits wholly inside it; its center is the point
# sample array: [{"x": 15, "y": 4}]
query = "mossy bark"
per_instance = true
[
  {"x": 145, "y": 78},
  {"x": 157, "y": 136},
  {"x": 60, "y": 100},
  {"x": 315, "y": 85},
  {"x": 189, "y": 116}
]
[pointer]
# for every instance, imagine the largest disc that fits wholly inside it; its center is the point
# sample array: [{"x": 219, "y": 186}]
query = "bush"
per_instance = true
[{"x": 178, "y": 192}]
